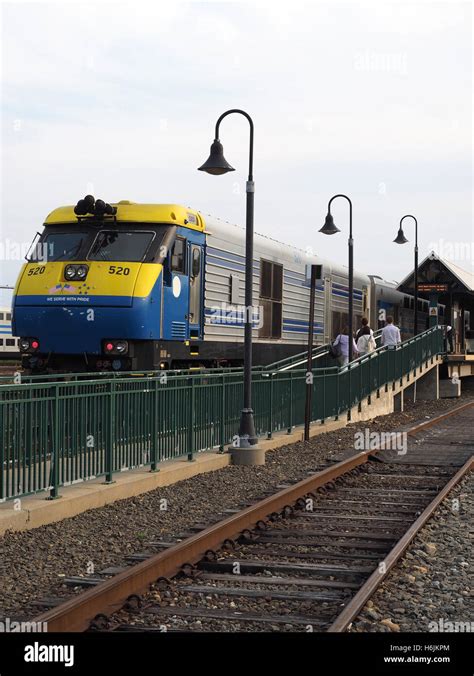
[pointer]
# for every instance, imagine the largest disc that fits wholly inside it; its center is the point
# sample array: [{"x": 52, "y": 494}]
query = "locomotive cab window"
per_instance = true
[
  {"x": 58, "y": 246},
  {"x": 178, "y": 256},
  {"x": 120, "y": 245}
]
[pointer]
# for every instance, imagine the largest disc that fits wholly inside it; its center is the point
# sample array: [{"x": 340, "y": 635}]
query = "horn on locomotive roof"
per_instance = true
[{"x": 92, "y": 207}]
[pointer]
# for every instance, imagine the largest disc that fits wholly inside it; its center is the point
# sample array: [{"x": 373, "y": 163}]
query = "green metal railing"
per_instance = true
[
  {"x": 56, "y": 433},
  {"x": 106, "y": 375}
]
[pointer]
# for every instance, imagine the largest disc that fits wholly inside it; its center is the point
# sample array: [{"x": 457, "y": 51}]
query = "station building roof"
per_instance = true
[{"x": 434, "y": 270}]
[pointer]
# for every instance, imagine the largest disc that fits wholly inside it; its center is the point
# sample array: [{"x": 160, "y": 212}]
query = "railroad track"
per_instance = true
[{"x": 306, "y": 558}]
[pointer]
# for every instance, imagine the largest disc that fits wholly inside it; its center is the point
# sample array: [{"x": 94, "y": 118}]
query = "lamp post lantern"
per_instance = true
[
  {"x": 329, "y": 228},
  {"x": 401, "y": 239},
  {"x": 216, "y": 164}
]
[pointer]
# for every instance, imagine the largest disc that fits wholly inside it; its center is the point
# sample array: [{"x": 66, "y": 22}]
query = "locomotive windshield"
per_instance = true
[
  {"x": 118, "y": 245},
  {"x": 58, "y": 246}
]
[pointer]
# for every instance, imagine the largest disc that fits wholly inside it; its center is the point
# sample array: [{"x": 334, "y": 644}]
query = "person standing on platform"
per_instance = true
[
  {"x": 390, "y": 334},
  {"x": 365, "y": 338},
  {"x": 343, "y": 341}
]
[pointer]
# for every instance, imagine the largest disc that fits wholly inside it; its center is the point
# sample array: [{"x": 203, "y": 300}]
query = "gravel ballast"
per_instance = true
[
  {"x": 430, "y": 589},
  {"x": 34, "y": 563}
]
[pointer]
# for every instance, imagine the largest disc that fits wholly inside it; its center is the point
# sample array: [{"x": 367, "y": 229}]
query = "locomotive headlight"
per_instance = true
[
  {"x": 121, "y": 346},
  {"x": 81, "y": 271},
  {"x": 24, "y": 344},
  {"x": 78, "y": 272},
  {"x": 70, "y": 272}
]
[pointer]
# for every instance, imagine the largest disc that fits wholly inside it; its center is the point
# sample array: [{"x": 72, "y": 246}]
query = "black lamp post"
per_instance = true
[
  {"x": 217, "y": 164},
  {"x": 330, "y": 229},
  {"x": 401, "y": 239}
]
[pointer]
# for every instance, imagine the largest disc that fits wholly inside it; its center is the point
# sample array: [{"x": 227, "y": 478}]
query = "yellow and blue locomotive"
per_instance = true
[{"x": 111, "y": 286}]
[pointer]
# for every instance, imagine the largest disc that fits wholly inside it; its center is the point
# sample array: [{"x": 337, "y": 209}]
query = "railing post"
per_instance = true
[
  {"x": 360, "y": 386},
  {"x": 290, "y": 404},
  {"x": 370, "y": 378},
  {"x": 191, "y": 424},
  {"x": 270, "y": 420},
  {"x": 349, "y": 402},
  {"x": 323, "y": 416},
  {"x": 154, "y": 429},
  {"x": 400, "y": 365},
  {"x": 222, "y": 421},
  {"x": 109, "y": 450},
  {"x": 379, "y": 356},
  {"x": 54, "y": 468}
]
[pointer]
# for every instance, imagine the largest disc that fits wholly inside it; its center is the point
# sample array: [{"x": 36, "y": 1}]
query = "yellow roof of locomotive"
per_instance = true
[{"x": 130, "y": 212}]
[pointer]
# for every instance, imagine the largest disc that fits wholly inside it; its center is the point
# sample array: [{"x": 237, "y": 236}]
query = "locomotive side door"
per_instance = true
[
  {"x": 176, "y": 292},
  {"x": 195, "y": 291}
]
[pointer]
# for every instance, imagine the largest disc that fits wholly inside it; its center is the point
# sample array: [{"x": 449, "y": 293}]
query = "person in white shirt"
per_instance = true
[
  {"x": 390, "y": 334},
  {"x": 343, "y": 340},
  {"x": 365, "y": 338}
]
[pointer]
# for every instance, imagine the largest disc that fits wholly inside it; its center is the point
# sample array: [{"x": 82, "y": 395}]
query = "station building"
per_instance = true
[{"x": 441, "y": 281}]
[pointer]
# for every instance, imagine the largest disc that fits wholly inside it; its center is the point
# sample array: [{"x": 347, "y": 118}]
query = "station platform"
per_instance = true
[
  {"x": 36, "y": 510},
  {"x": 461, "y": 365}
]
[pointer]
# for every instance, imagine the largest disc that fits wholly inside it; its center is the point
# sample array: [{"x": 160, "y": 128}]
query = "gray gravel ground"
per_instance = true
[
  {"x": 320, "y": 613},
  {"x": 33, "y": 563},
  {"x": 431, "y": 585}
]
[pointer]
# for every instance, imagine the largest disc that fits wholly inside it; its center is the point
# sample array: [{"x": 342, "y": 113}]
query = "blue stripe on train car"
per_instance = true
[{"x": 300, "y": 322}]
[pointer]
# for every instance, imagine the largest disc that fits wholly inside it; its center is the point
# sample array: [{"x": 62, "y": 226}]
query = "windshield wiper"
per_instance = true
[{"x": 70, "y": 252}]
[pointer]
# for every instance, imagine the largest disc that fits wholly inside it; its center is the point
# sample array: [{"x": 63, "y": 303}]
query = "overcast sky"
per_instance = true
[{"x": 368, "y": 98}]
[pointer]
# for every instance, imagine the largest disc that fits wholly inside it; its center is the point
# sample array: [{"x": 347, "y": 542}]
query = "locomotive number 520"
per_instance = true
[{"x": 118, "y": 270}]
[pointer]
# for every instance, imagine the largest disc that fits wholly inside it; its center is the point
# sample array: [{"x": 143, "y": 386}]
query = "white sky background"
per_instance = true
[{"x": 369, "y": 98}]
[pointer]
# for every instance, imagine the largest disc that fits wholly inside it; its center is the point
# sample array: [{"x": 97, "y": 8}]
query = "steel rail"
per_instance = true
[
  {"x": 78, "y": 612},
  {"x": 109, "y": 596},
  {"x": 369, "y": 587}
]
